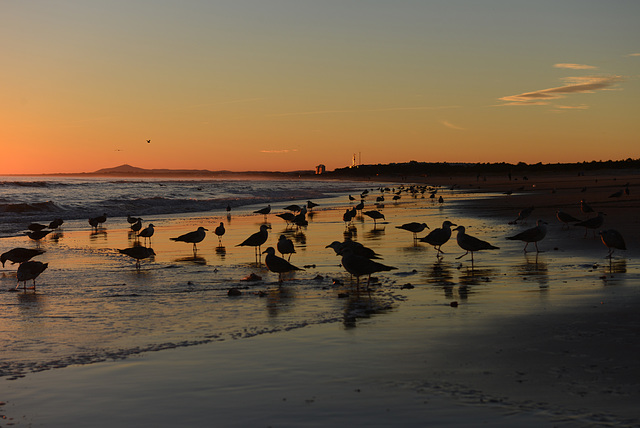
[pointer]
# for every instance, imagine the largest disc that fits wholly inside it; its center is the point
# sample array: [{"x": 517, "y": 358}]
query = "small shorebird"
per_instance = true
[
  {"x": 56, "y": 223},
  {"x": 612, "y": 239},
  {"x": 523, "y": 214},
  {"x": 38, "y": 235},
  {"x": 287, "y": 217},
  {"x": 534, "y": 235},
  {"x": 278, "y": 264},
  {"x": 30, "y": 270},
  {"x": 471, "y": 244},
  {"x": 137, "y": 226},
  {"x": 36, "y": 227},
  {"x": 414, "y": 227},
  {"x": 355, "y": 247},
  {"x": 266, "y": 210},
  {"x": 285, "y": 246},
  {"x": 438, "y": 237},
  {"x": 19, "y": 255},
  {"x": 257, "y": 239},
  {"x": 585, "y": 207},
  {"x": 219, "y": 231},
  {"x": 192, "y": 237},
  {"x": 138, "y": 253}
]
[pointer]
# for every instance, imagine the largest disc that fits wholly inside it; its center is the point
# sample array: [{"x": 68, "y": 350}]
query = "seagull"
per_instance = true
[
  {"x": 148, "y": 141},
  {"x": 585, "y": 207},
  {"x": 277, "y": 264},
  {"x": 131, "y": 220},
  {"x": 266, "y": 210},
  {"x": 438, "y": 237},
  {"x": 566, "y": 218},
  {"x": 36, "y": 227},
  {"x": 375, "y": 215},
  {"x": 137, "y": 225},
  {"x": 612, "y": 239},
  {"x": 288, "y": 217},
  {"x": 413, "y": 227},
  {"x": 56, "y": 223},
  {"x": 358, "y": 265},
  {"x": 355, "y": 247},
  {"x": 311, "y": 205},
  {"x": 534, "y": 235},
  {"x": 219, "y": 231},
  {"x": 101, "y": 219},
  {"x": 93, "y": 222},
  {"x": 285, "y": 246},
  {"x": 147, "y": 232},
  {"x": 293, "y": 208},
  {"x": 523, "y": 214},
  {"x": 257, "y": 239},
  {"x": 471, "y": 243},
  {"x": 38, "y": 235},
  {"x": 592, "y": 223},
  {"x": 19, "y": 255},
  {"x": 30, "y": 270},
  {"x": 192, "y": 237},
  {"x": 348, "y": 215},
  {"x": 138, "y": 253}
]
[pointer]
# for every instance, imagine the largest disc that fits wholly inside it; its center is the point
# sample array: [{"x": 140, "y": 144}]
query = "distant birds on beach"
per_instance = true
[
  {"x": 592, "y": 223},
  {"x": 566, "y": 218},
  {"x": 375, "y": 215},
  {"x": 524, "y": 214},
  {"x": 138, "y": 253},
  {"x": 264, "y": 211},
  {"x": 219, "y": 231},
  {"x": 147, "y": 233}
]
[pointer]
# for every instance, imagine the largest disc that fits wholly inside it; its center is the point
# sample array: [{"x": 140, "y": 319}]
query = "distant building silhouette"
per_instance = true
[{"x": 320, "y": 169}]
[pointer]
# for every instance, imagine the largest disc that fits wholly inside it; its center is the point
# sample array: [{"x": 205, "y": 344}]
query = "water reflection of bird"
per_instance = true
[
  {"x": 285, "y": 246},
  {"x": 592, "y": 223},
  {"x": 30, "y": 270},
  {"x": 438, "y": 237},
  {"x": 613, "y": 240},
  {"x": 138, "y": 253},
  {"x": 257, "y": 239},
  {"x": 358, "y": 265},
  {"x": 219, "y": 231},
  {"x": 414, "y": 227},
  {"x": 566, "y": 218},
  {"x": 534, "y": 235},
  {"x": 19, "y": 255},
  {"x": 278, "y": 264},
  {"x": 471, "y": 244},
  {"x": 192, "y": 237}
]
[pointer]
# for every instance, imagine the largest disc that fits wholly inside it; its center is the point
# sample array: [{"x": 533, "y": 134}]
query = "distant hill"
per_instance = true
[{"x": 127, "y": 169}]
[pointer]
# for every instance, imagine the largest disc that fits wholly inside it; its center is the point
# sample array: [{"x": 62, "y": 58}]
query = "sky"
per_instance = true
[{"x": 284, "y": 85}]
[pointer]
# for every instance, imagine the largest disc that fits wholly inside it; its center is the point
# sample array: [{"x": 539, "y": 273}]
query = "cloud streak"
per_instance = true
[
  {"x": 574, "y": 85},
  {"x": 451, "y": 125},
  {"x": 575, "y": 66},
  {"x": 278, "y": 151}
]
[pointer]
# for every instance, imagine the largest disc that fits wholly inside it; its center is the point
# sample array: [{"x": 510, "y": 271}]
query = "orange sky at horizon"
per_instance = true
[{"x": 283, "y": 85}]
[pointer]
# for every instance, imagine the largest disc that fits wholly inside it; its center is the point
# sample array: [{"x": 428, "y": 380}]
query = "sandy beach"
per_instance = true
[{"x": 515, "y": 338}]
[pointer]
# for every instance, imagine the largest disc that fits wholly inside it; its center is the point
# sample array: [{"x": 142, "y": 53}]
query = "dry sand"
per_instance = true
[{"x": 534, "y": 341}]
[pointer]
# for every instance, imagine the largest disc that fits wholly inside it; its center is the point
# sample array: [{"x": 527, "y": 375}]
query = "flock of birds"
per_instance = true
[{"x": 356, "y": 259}]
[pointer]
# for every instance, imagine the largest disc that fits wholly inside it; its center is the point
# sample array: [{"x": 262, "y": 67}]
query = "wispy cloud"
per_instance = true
[
  {"x": 634, "y": 54},
  {"x": 574, "y": 85},
  {"x": 451, "y": 125},
  {"x": 306, "y": 113},
  {"x": 580, "y": 107},
  {"x": 575, "y": 66},
  {"x": 278, "y": 151}
]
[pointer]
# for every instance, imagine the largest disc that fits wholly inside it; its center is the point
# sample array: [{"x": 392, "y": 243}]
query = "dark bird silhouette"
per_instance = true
[
  {"x": 56, "y": 223},
  {"x": 148, "y": 141},
  {"x": 288, "y": 217},
  {"x": 192, "y": 237},
  {"x": 414, "y": 227},
  {"x": 19, "y": 255},
  {"x": 375, "y": 215},
  {"x": 613, "y": 240},
  {"x": 137, "y": 226},
  {"x": 438, "y": 237},
  {"x": 147, "y": 233},
  {"x": 30, "y": 270},
  {"x": 264, "y": 211},
  {"x": 36, "y": 227},
  {"x": 471, "y": 244},
  {"x": 219, "y": 231},
  {"x": 285, "y": 246},
  {"x": 358, "y": 265},
  {"x": 278, "y": 264},
  {"x": 138, "y": 253},
  {"x": 534, "y": 235},
  {"x": 355, "y": 247},
  {"x": 38, "y": 235},
  {"x": 617, "y": 194},
  {"x": 293, "y": 208},
  {"x": 257, "y": 239},
  {"x": 566, "y": 218},
  {"x": 523, "y": 214},
  {"x": 585, "y": 207},
  {"x": 592, "y": 223}
]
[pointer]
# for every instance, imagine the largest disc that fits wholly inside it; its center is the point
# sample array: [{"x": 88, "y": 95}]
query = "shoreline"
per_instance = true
[{"x": 532, "y": 340}]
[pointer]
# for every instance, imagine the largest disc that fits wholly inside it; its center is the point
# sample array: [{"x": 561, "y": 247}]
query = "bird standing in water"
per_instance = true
[
  {"x": 278, "y": 264},
  {"x": 534, "y": 235},
  {"x": 192, "y": 237},
  {"x": 30, "y": 270},
  {"x": 219, "y": 231},
  {"x": 471, "y": 244}
]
